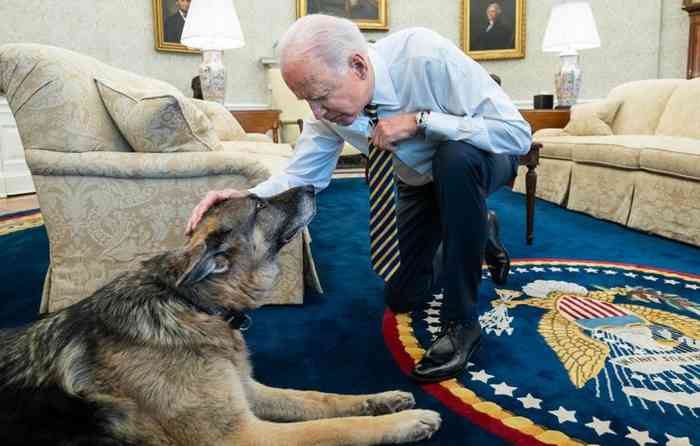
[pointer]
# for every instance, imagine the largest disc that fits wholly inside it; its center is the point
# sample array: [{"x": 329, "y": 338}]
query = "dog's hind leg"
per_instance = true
[
  {"x": 273, "y": 404},
  {"x": 403, "y": 427}
]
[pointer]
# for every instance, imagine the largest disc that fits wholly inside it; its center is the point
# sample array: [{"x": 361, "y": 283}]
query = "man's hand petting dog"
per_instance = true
[{"x": 210, "y": 200}]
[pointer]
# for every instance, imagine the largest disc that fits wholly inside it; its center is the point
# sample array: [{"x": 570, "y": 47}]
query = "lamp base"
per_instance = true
[
  {"x": 568, "y": 80},
  {"x": 212, "y": 75}
]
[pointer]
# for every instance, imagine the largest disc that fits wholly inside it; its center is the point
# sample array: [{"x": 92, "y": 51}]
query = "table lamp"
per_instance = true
[
  {"x": 571, "y": 27},
  {"x": 212, "y": 26}
]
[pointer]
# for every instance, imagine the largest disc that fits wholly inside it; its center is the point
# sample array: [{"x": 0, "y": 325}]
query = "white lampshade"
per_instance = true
[
  {"x": 571, "y": 26},
  {"x": 212, "y": 25}
]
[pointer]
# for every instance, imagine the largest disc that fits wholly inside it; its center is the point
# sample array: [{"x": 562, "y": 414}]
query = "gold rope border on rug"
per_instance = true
[
  {"x": 468, "y": 397},
  {"x": 20, "y": 223}
]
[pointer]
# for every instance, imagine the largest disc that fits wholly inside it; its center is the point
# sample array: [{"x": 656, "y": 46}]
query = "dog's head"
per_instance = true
[{"x": 230, "y": 260}]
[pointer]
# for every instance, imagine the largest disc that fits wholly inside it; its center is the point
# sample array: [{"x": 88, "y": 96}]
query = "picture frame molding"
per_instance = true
[
  {"x": 381, "y": 24},
  {"x": 159, "y": 32},
  {"x": 520, "y": 35}
]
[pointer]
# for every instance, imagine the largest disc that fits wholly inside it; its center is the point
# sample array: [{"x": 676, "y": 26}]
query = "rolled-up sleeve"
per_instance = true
[
  {"x": 474, "y": 109},
  {"x": 315, "y": 155}
]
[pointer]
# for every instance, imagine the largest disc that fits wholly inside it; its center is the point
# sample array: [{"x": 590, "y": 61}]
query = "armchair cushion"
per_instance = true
[
  {"x": 157, "y": 122},
  {"x": 226, "y": 126},
  {"x": 593, "y": 119}
]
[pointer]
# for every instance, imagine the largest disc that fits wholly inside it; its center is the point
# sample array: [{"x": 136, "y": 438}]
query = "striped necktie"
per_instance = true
[{"x": 383, "y": 232}]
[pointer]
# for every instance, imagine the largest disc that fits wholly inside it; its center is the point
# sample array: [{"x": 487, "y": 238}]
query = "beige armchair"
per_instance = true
[{"x": 105, "y": 206}]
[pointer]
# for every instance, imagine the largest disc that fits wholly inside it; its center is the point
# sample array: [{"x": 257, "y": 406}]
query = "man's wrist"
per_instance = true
[{"x": 422, "y": 120}]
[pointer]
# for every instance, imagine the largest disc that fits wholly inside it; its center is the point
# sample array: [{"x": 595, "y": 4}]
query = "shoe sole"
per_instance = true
[{"x": 426, "y": 380}]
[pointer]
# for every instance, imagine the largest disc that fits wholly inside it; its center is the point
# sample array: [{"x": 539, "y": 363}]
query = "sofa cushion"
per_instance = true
[
  {"x": 226, "y": 126},
  {"x": 681, "y": 117},
  {"x": 643, "y": 102},
  {"x": 593, "y": 119},
  {"x": 156, "y": 121},
  {"x": 672, "y": 155}
]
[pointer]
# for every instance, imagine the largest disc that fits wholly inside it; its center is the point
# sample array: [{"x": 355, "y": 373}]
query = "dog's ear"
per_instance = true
[{"x": 203, "y": 261}]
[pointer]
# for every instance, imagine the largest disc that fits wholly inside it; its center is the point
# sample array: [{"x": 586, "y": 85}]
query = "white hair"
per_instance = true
[{"x": 332, "y": 40}]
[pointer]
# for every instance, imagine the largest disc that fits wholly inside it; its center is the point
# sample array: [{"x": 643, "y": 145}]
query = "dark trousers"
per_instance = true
[{"x": 450, "y": 211}]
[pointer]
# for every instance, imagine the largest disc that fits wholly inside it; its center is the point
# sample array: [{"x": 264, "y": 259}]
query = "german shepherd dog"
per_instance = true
[{"x": 155, "y": 357}]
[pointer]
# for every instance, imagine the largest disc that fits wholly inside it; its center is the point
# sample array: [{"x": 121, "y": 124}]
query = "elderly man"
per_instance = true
[{"x": 440, "y": 129}]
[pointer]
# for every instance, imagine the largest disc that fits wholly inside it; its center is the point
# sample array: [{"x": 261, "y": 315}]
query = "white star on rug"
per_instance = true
[
  {"x": 432, "y": 311},
  {"x": 521, "y": 270},
  {"x": 573, "y": 270},
  {"x": 435, "y": 304},
  {"x": 433, "y": 329},
  {"x": 671, "y": 282},
  {"x": 610, "y": 272},
  {"x": 481, "y": 376},
  {"x": 677, "y": 441},
  {"x": 437, "y": 296},
  {"x": 537, "y": 269},
  {"x": 530, "y": 402},
  {"x": 591, "y": 270},
  {"x": 641, "y": 437},
  {"x": 432, "y": 320},
  {"x": 554, "y": 269},
  {"x": 633, "y": 275},
  {"x": 564, "y": 415},
  {"x": 692, "y": 286},
  {"x": 600, "y": 427},
  {"x": 652, "y": 278},
  {"x": 503, "y": 389}
]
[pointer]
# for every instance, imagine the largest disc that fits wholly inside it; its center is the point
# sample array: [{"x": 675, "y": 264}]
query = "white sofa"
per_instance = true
[{"x": 643, "y": 171}]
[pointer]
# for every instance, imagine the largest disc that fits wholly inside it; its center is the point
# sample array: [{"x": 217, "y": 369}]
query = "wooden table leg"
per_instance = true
[{"x": 531, "y": 160}]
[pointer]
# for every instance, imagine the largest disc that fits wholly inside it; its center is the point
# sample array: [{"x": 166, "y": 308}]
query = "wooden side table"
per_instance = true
[
  {"x": 546, "y": 119},
  {"x": 259, "y": 121},
  {"x": 538, "y": 119}
]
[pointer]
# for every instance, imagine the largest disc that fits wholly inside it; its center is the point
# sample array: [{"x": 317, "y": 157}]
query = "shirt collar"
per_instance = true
[
  {"x": 184, "y": 17},
  {"x": 384, "y": 93}
]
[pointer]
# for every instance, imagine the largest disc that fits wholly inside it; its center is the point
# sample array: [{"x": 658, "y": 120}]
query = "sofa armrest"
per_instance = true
[
  {"x": 256, "y": 137},
  {"x": 144, "y": 165},
  {"x": 547, "y": 133},
  {"x": 257, "y": 147}
]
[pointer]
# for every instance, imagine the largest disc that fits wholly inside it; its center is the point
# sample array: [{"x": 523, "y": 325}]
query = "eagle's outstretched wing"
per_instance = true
[
  {"x": 688, "y": 326},
  {"x": 582, "y": 356}
]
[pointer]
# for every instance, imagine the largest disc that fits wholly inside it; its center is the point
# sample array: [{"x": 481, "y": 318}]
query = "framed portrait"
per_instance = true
[
  {"x": 168, "y": 21},
  {"x": 493, "y": 29},
  {"x": 368, "y": 14}
]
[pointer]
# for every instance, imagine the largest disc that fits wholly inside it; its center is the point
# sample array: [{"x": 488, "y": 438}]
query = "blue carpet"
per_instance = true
[{"x": 334, "y": 342}]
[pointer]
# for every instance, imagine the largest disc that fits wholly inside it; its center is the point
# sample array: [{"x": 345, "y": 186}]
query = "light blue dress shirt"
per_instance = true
[{"x": 414, "y": 69}]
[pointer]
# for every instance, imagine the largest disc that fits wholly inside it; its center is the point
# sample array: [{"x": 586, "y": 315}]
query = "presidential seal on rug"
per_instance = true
[{"x": 156, "y": 357}]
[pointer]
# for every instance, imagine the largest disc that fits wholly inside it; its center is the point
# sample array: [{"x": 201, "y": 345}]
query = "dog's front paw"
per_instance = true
[
  {"x": 413, "y": 425},
  {"x": 388, "y": 402}
]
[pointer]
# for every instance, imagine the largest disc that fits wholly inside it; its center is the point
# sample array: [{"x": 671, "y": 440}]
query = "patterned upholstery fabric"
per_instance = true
[
  {"x": 106, "y": 208},
  {"x": 157, "y": 122},
  {"x": 226, "y": 126},
  {"x": 646, "y": 175},
  {"x": 592, "y": 119}
]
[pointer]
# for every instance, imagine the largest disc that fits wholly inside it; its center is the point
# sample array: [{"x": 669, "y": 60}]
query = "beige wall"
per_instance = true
[{"x": 641, "y": 39}]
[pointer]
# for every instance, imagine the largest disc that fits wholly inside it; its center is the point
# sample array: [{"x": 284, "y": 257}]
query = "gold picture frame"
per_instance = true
[
  {"x": 163, "y": 10},
  {"x": 502, "y": 38},
  {"x": 368, "y": 14}
]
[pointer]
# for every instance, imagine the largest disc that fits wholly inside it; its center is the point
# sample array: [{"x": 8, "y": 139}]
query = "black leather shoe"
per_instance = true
[
  {"x": 449, "y": 354},
  {"x": 495, "y": 254}
]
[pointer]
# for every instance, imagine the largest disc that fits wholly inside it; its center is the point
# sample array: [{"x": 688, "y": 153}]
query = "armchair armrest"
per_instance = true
[{"x": 134, "y": 165}]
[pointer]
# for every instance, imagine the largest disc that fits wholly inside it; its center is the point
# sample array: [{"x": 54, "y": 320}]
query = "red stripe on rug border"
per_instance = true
[
  {"x": 405, "y": 362},
  {"x": 27, "y": 213}
]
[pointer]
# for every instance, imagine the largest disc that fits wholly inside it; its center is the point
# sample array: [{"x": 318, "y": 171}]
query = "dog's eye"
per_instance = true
[{"x": 260, "y": 205}]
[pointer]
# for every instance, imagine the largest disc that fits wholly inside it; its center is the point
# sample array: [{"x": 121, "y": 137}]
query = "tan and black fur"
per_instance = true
[{"x": 149, "y": 359}]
